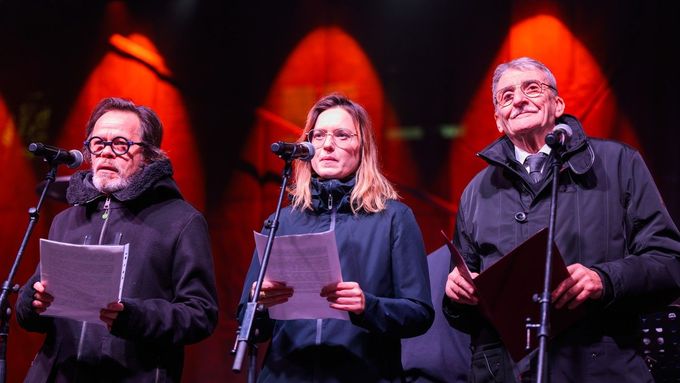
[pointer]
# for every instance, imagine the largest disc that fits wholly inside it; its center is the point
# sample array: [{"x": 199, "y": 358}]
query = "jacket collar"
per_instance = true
[
  {"x": 578, "y": 154},
  {"x": 155, "y": 175},
  {"x": 337, "y": 191}
]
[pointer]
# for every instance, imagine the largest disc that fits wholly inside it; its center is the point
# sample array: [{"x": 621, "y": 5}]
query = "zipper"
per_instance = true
[
  {"x": 319, "y": 328},
  {"x": 319, "y": 322},
  {"x": 83, "y": 328},
  {"x": 105, "y": 217},
  {"x": 83, "y": 325},
  {"x": 107, "y": 205},
  {"x": 79, "y": 353},
  {"x": 333, "y": 212}
]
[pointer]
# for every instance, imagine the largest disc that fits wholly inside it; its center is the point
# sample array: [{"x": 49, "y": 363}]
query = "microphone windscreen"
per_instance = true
[
  {"x": 310, "y": 151},
  {"x": 77, "y": 158},
  {"x": 565, "y": 128}
]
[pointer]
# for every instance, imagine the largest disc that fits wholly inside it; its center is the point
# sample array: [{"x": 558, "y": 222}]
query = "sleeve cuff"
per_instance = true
[{"x": 607, "y": 288}]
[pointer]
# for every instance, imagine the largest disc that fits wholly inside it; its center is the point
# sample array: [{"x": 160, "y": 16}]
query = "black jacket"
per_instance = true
[
  {"x": 169, "y": 290},
  {"x": 610, "y": 218},
  {"x": 385, "y": 254}
]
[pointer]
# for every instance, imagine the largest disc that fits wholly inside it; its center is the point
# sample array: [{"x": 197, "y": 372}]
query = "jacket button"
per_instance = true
[{"x": 521, "y": 217}]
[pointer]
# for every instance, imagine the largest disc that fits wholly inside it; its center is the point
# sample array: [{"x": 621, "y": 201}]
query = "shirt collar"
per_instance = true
[{"x": 521, "y": 155}]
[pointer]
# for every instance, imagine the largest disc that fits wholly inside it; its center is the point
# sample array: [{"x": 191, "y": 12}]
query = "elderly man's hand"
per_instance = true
[
  {"x": 459, "y": 290},
  {"x": 582, "y": 284}
]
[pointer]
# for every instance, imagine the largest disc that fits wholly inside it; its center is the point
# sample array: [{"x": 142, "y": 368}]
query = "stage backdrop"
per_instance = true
[{"x": 230, "y": 78}]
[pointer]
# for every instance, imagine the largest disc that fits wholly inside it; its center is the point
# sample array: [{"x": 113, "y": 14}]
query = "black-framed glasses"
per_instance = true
[
  {"x": 530, "y": 88},
  {"x": 119, "y": 145},
  {"x": 341, "y": 137}
]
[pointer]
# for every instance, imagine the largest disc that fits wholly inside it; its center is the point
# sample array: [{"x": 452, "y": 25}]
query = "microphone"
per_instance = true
[
  {"x": 294, "y": 150},
  {"x": 559, "y": 136},
  {"x": 53, "y": 155}
]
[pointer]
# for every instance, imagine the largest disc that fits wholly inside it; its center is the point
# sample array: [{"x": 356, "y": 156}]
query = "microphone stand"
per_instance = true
[
  {"x": 8, "y": 286},
  {"x": 243, "y": 338},
  {"x": 544, "y": 299}
]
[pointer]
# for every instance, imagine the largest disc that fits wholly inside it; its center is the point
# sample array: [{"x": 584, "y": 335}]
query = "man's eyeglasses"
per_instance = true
[
  {"x": 341, "y": 137},
  {"x": 530, "y": 88},
  {"x": 119, "y": 145}
]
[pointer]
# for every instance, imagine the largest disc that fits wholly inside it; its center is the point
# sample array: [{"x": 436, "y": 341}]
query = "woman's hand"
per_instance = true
[
  {"x": 272, "y": 293},
  {"x": 345, "y": 296}
]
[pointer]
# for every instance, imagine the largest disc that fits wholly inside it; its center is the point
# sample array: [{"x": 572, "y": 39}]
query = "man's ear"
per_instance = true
[
  {"x": 559, "y": 106},
  {"x": 499, "y": 123}
]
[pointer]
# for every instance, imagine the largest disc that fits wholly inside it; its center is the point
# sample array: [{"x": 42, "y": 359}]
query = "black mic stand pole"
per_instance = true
[
  {"x": 7, "y": 286},
  {"x": 243, "y": 338},
  {"x": 544, "y": 300}
]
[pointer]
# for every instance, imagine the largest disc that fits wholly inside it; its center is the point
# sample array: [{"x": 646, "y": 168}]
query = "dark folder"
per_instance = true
[{"x": 506, "y": 290}]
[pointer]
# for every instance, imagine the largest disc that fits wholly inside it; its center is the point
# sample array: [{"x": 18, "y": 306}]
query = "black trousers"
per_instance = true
[{"x": 491, "y": 363}]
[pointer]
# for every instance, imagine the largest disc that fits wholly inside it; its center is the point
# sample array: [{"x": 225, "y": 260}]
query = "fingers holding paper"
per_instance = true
[
  {"x": 110, "y": 313},
  {"x": 273, "y": 293},
  {"x": 345, "y": 296},
  {"x": 459, "y": 290},
  {"x": 582, "y": 284},
  {"x": 41, "y": 299}
]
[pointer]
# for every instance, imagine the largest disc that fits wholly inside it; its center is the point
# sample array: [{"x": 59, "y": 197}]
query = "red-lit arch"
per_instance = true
[
  {"x": 132, "y": 68},
  {"x": 326, "y": 60},
  {"x": 17, "y": 194}
]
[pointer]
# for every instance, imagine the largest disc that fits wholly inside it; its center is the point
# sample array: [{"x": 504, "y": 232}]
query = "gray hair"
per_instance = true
[{"x": 521, "y": 64}]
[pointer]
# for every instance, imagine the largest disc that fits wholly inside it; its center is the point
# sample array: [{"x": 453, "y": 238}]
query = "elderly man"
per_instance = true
[
  {"x": 168, "y": 297},
  {"x": 613, "y": 231}
]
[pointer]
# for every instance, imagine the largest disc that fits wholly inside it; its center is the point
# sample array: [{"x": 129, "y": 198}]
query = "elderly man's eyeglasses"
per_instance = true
[
  {"x": 531, "y": 88},
  {"x": 341, "y": 137},
  {"x": 119, "y": 145}
]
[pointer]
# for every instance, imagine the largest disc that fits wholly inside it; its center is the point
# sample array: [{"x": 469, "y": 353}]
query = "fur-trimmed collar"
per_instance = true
[{"x": 81, "y": 190}]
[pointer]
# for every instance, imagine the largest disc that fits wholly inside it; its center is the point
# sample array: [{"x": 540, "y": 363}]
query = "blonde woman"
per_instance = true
[{"x": 385, "y": 286}]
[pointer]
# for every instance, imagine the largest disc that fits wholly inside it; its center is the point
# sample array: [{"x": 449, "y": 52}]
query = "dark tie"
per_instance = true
[{"x": 535, "y": 162}]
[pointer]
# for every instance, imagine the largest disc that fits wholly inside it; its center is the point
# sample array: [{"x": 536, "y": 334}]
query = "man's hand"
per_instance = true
[
  {"x": 582, "y": 284},
  {"x": 345, "y": 296},
  {"x": 460, "y": 290},
  {"x": 110, "y": 313},
  {"x": 41, "y": 299}
]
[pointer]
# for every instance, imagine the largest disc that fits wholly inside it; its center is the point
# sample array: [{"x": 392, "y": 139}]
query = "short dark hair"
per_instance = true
[{"x": 152, "y": 128}]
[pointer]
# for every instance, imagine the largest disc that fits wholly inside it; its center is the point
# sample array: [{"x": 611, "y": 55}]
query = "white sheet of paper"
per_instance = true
[
  {"x": 83, "y": 279},
  {"x": 306, "y": 262}
]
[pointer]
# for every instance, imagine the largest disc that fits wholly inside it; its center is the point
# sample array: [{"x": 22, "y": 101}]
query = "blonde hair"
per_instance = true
[{"x": 371, "y": 190}]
